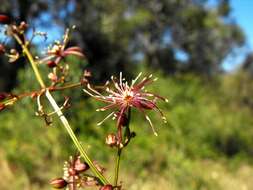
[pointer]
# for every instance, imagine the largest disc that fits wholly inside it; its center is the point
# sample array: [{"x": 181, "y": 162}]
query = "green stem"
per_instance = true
[
  {"x": 60, "y": 114},
  {"x": 120, "y": 149},
  {"x": 117, "y": 167}
]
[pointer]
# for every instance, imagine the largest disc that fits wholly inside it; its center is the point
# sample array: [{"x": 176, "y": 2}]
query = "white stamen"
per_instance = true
[
  {"x": 120, "y": 78},
  {"x": 107, "y": 117},
  {"x": 134, "y": 81},
  {"x": 87, "y": 92},
  {"x": 93, "y": 90},
  {"x": 151, "y": 125}
]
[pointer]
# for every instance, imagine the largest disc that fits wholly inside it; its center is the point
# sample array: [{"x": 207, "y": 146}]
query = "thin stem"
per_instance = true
[
  {"x": 74, "y": 139},
  {"x": 117, "y": 167},
  {"x": 60, "y": 114},
  {"x": 30, "y": 58},
  {"x": 120, "y": 149}
]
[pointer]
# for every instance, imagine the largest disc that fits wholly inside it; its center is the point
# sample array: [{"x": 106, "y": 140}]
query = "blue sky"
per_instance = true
[{"x": 242, "y": 13}]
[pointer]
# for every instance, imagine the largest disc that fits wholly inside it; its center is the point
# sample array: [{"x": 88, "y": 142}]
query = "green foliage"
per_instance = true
[{"x": 207, "y": 128}]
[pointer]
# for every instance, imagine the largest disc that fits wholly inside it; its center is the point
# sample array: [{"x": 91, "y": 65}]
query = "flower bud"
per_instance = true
[
  {"x": 80, "y": 166},
  {"x": 51, "y": 64},
  {"x": 4, "y": 19},
  {"x": 106, "y": 187},
  {"x": 58, "y": 183},
  {"x": 2, "y": 49},
  {"x": 111, "y": 140}
]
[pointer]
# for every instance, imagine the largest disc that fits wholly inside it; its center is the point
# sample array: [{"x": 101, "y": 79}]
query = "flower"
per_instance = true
[
  {"x": 58, "y": 51},
  {"x": 121, "y": 97}
]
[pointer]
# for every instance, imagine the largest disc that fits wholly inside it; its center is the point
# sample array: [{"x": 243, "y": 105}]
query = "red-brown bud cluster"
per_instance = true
[{"x": 74, "y": 175}]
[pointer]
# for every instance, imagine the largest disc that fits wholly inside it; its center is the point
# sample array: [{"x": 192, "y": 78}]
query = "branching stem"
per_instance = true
[{"x": 57, "y": 109}]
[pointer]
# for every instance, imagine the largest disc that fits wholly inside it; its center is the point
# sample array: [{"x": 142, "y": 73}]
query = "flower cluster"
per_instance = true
[{"x": 75, "y": 175}]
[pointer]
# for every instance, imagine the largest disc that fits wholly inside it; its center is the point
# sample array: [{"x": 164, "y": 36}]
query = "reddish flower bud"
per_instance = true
[
  {"x": 58, "y": 183},
  {"x": 106, "y": 187},
  {"x": 4, "y": 19},
  {"x": 2, "y": 49},
  {"x": 111, "y": 140},
  {"x": 80, "y": 166},
  {"x": 51, "y": 64}
]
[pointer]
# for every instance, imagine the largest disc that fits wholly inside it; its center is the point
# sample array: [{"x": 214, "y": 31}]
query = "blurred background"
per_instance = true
[{"x": 201, "y": 51}]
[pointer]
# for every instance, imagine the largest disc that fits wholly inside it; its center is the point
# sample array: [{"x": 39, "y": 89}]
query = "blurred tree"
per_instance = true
[
  {"x": 247, "y": 65},
  {"x": 172, "y": 35}
]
